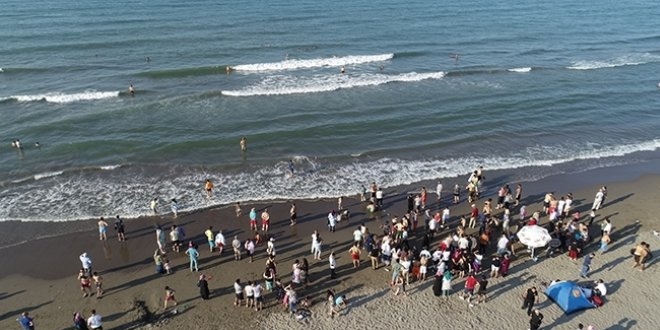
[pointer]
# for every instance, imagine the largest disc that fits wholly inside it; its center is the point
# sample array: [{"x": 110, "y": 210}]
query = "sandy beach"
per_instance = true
[{"x": 40, "y": 274}]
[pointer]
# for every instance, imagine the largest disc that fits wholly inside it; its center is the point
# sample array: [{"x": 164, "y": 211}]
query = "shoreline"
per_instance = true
[{"x": 25, "y": 231}]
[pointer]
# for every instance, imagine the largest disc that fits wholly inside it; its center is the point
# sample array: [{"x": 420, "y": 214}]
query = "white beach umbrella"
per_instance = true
[{"x": 534, "y": 236}]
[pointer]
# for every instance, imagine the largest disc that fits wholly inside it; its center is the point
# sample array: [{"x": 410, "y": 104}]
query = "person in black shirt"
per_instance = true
[
  {"x": 535, "y": 320},
  {"x": 530, "y": 297}
]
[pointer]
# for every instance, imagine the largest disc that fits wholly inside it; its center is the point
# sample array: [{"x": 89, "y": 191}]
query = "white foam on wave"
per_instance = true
[
  {"x": 47, "y": 175},
  {"x": 635, "y": 59},
  {"x": 285, "y": 84},
  {"x": 295, "y": 64},
  {"x": 128, "y": 192},
  {"x": 520, "y": 70},
  {"x": 64, "y": 97},
  {"x": 110, "y": 167}
]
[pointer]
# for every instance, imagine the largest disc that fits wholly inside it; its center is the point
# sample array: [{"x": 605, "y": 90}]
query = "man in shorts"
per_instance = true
[
  {"x": 236, "y": 245},
  {"x": 208, "y": 186},
  {"x": 249, "y": 295},
  {"x": 121, "y": 230},
  {"x": 258, "y": 290},
  {"x": 470, "y": 284},
  {"x": 265, "y": 220},
  {"x": 98, "y": 282},
  {"x": 253, "y": 219},
  {"x": 210, "y": 238},
  {"x": 238, "y": 290}
]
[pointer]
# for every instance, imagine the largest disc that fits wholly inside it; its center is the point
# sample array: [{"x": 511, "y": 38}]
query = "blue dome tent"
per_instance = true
[{"x": 569, "y": 296}]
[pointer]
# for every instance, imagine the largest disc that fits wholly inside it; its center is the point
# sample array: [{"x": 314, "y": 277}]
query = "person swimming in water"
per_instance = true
[
  {"x": 131, "y": 90},
  {"x": 292, "y": 169},
  {"x": 342, "y": 70}
]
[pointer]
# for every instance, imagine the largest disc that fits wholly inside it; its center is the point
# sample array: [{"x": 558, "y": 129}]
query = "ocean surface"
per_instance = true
[{"x": 431, "y": 89}]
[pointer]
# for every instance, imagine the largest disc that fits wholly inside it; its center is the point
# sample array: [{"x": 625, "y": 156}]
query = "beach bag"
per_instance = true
[{"x": 597, "y": 300}]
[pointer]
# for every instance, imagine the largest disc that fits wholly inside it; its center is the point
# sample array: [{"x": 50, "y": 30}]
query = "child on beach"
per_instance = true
[
  {"x": 98, "y": 281},
  {"x": 85, "y": 283},
  {"x": 169, "y": 296}
]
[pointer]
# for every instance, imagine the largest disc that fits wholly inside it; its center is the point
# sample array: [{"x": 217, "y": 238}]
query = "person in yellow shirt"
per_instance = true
[{"x": 210, "y": 237}]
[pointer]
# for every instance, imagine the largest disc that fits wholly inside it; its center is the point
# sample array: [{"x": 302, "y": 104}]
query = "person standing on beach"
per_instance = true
[
  {"x": 253, "y": 219},
  {"x": 169, "y": 296},
  {"x": 332, "y": 220},
  {"x": 236, "y": 245},
  {"x": 438, "y": 191},
  {"x": 238, "y": 210},
  {"x": 160, "y": 239},
  {"x": 249, "y": 247},
  {"x": 265, "y": 220},
  {"x": 220, "y": 242},
  {"x": 175, "y": 238},
  {"x": 85, "y": 283},
  {"x": 530, "y": 297},
  {"x": 293, "y": 214},
  {"x": 203, "y": 286},
  {"x": 86, "y": 263},
  {"x": 332, "y": 262},
  {"x": 238, "y": 290},
  {"x": 379, "y": 197},
  {"x": 95, "y": 321},
  {"x": 535, "y": 320},
  {"x": 121, "y": 230},
  {"x": 457, "y": 193},
  {"x": 518, "y": 194},
  {"x": 98, "y": 282},
  {"x": 586, "y": 265},
  {"x": 355, "y": 252},
  {"x": 243, "y": 144},
  {"x": 103, "y": 228},
  {"x": 210, "y": 238},
  {"x": 424, "y": 195},
  {"x": 194, "y": 256},
  {"x": 598, "y": 200},
  {"x": 208, "y": 186}
]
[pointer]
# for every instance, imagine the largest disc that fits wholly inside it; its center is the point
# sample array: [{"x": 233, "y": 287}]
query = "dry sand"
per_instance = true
[{"x": 40, "y": 276}]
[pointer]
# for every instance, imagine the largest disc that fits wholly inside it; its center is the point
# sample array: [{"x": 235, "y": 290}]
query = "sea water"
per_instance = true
[{"x": 430, "y": 89}]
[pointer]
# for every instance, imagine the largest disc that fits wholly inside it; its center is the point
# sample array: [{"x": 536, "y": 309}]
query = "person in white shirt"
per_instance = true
[
  {"x": 332, "y": 221},
  {"x": 332, "y": 263},
  {"x": 598, "y": 200},
  {"x": 94, "y": 321},
  {"x": 258, "y": 290},
  {"x": 220, "y": 241},
  {"x": 236, "y": 245},
  {"x": 561, "y": 204},
  {"x": 317, "y": 243},
  {"x": 86, "y": 262},
  {"x": 315, "y": 236},
  {"x": 602, "y": 289},
  {"x": 270, "y": 247},
  {"x": 438, "y": 190},
  {"x": 379, "y": 197},
  {"x": 445, "y": 216},
  {"x": 463, "y": 243},
  {"x": 357, "y": 237},
  {"x": 249, "y": 294},
  {"x": 502, "y": 245},
  {"x": 238, "y": 290}
]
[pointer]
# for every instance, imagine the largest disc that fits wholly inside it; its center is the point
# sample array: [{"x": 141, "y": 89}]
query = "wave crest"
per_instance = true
[
  {"x": 63, "y": 97},
  {"x": 284, "y": 85},
  {"x": 295, "y": 64},
  {"x": 626, "y": 60}
]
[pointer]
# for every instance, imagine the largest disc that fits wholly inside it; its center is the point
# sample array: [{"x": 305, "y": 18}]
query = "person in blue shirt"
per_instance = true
[
  {"x": 26, "y": 321},
  {"x": 194, "y": 255},
  {"x": 586, "y": 265}
]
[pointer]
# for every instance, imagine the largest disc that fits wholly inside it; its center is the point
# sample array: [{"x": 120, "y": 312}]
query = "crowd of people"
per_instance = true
[{"x": 467, "y": 251}]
